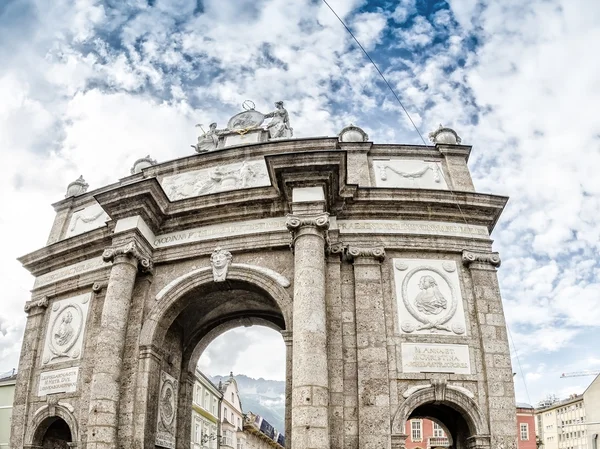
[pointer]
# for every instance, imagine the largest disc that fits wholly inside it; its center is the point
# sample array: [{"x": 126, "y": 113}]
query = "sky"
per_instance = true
[{"x": 87, "y": 87}]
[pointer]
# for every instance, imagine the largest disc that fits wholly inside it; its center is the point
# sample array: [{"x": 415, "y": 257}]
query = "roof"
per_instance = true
[{"x": 524, "y": 405}]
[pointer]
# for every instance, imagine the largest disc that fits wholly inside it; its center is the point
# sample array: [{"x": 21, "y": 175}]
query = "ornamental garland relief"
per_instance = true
[
  {"x": 409, "y": 173},
  {"x": 167, "y": 411},
  {"x": 428, "y": 297},
  {"x": 87, "y": 219},
  {"x": 65, "y": 329}
]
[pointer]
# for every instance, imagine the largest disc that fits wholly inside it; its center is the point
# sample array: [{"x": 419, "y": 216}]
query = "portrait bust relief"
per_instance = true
[
  {"x": 65, "y": 330},
  {"x": 428, "y": 297}
]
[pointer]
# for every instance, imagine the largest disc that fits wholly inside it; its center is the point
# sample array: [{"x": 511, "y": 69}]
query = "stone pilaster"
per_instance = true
[
  {"x": 32, "y": 339},
  {"x": 147, "y": 385},
  {"x": 371, "y": 341},
  {"x": 494, "y": 344},
  {"x": 288, "y": 338},
  {"x": 456, "y": 163},
  {"x": 184, "y": 413},
  {"x": 310, "y": 379},
  {"x": 126, "y": 256}
]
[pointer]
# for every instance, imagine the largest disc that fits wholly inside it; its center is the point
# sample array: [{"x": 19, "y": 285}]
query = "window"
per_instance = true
[
  {"x": 239, "y": 423},
  {"x": 214, "y": 407},
  {"x": 197, "y": 431},
  {"x": 206, "y": 400},
  {"x": 416, "y": 434},
  {"x": 227, "y": 438},
  {"x": 438, "y": 432},
  {"x": 524, "y": 431},
  {"x": 232, "y": 418},
  {"x": 232, "y": 398},
  {"x": 225, "y": 413},
  {"x": 240, "y": 444}
]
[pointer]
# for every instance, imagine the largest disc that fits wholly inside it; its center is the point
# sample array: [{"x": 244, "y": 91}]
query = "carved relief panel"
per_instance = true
[
  {"x": 66, "y": 329},
  {"x": 409, "y": 173},
  {"x": 167, "y": 411},
  {"x": 242, "y": 175},
  {"x": 87, "y": 219},
  {"x": 428, "y": 297}
]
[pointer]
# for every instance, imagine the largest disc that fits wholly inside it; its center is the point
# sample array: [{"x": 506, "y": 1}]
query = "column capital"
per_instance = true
[
  {"x": 35, "y": 307},
  {"x": 481, "y": 260},
  {"x": 365, "y": 252},
  {"x": 129, "y": 250},
  {"x": 319, "y": 221}
]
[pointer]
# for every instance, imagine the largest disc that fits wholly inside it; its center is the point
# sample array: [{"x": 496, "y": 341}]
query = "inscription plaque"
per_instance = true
[
  {"x": 435, "y": 358},
  {"x": 58, "y": 381}
]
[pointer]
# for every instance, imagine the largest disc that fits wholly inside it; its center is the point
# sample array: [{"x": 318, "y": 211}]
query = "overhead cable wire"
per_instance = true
[
  {"x": 519, "y": 363},
  {"x": 399, "y": 102},
  {"x": 379, "y": 71}
]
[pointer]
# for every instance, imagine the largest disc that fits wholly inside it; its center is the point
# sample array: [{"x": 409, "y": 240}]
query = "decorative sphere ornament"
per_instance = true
[
  {"x": 445, "y": 136},
  {"x": 77, "y": 187},
  {"x": 142, "y": 163},
  {"x": 353, "y": 134}
]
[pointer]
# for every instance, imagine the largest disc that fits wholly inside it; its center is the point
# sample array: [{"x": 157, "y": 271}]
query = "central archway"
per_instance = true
[{"x": 190, "y": 312}]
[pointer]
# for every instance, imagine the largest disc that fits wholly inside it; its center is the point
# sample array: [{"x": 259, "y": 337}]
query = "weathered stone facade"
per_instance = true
[{"x": 385, "y": 292}]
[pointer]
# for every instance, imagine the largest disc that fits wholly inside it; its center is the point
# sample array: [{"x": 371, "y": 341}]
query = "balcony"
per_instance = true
[{"x": 438, "y": 442}]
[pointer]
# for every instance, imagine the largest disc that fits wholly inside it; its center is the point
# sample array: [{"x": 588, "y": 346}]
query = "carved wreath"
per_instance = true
[
  {"x": 429, "y": 323},
  {"x": 167, "y": 405}
]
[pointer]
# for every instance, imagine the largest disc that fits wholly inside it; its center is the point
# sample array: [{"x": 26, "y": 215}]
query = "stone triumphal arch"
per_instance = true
[{"x": 373, "y": 261}]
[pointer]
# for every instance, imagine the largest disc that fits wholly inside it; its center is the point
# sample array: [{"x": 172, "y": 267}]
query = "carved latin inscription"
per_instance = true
[
  {"x": 428, "y": 297},
  {"x": 167, "y": 411},
  {"x": 65, "y": 330},
  {"x": 435, "y": 358}
]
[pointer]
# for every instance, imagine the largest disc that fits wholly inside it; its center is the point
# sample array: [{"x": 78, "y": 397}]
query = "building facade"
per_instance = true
[
  {"x": 526, "y": 435},
  {"x": 374, "y": 261},
  {"x": 205, "y": 413},
  {"x": 573, "y": 423},
  {"x": 7, "y": 391},
  {"x": 232, "y": 416},
  {"x": 260, "y": 434},
  {"x": 425, "y": 434}
]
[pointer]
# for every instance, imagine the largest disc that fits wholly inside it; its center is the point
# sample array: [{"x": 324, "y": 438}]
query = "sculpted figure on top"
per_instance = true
[
  {"x": 279, "y": 126},
  {"x": 210, "y": 139},
  {"x": 247, "y": 121}
]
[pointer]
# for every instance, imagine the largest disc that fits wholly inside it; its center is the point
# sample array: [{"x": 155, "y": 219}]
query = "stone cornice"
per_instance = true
[
  {"x": 131, "y": 249},
  {"x": 145, "y": 198},
  {"x": 369, "y": 252},
  {"x": 478, "y": 259},
  {"x": 463, "y": 151}
]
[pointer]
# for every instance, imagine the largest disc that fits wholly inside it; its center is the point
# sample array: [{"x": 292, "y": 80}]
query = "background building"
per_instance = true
[
  {"x": 260, "y": 434},
  {"x": 571, "y": 423},
  {"x": 7, "y": 392},
  {"x": 425, "y": 434},
  {"x": 526, "y": 438},
  {"x": 205, "y": 413}
]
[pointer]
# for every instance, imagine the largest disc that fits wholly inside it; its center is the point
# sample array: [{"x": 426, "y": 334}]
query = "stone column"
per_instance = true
[
  {"x": 29, "y": 355},
  {"x": 310, "y": 381},
  {"x": 288, "y": 339},
  {"x": 494, "y": 345},
  {"x": 125, "y": 255},
  {"x": 184, "y": 409},
  {"x": 374, "y": 417}
]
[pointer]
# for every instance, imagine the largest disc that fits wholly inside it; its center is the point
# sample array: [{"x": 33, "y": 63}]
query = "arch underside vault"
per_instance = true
[{"x": 190, "y": 313}]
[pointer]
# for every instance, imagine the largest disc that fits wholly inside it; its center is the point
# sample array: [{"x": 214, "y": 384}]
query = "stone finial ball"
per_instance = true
[
  {"x": 444, "y": 135},
  {"x": 77, "y": 187},
  {"x": 352, "y": 134},
  {"x": 142, "y": 163}
]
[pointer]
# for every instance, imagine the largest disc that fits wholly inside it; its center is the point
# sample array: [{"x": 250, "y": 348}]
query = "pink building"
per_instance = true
[
  {"x": 425, "y": 434},
  {"x": 525, "y": 426}
]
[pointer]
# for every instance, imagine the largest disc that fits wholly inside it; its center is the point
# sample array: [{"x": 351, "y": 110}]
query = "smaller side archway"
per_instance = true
[
  {"x": 452, "y": 407},
  {"x": 53, "y": 426}
]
